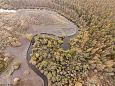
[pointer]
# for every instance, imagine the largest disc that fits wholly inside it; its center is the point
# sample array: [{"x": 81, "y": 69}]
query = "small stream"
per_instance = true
[{"x": 70, "y": 30}]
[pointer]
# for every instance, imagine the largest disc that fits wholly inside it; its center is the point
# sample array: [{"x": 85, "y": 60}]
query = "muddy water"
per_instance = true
[{"x": 20, "y": 53}]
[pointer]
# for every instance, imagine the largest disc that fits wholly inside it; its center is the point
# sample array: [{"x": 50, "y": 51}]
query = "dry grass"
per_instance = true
[
  {"x": 96, "y": 40},
  {"x": 9, "y": 33},
  {"x": 96, "y": 20}
]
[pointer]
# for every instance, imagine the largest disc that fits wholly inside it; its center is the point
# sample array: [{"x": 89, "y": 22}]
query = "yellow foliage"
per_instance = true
[{"x": 29, "y": 36}]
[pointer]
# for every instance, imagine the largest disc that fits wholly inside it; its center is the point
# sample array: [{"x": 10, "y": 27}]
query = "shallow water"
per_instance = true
[{"x": 20, "y": 53}]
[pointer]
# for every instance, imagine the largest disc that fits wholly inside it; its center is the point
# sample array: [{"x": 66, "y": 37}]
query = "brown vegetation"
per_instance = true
[{"x": 96, "y": 41}]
